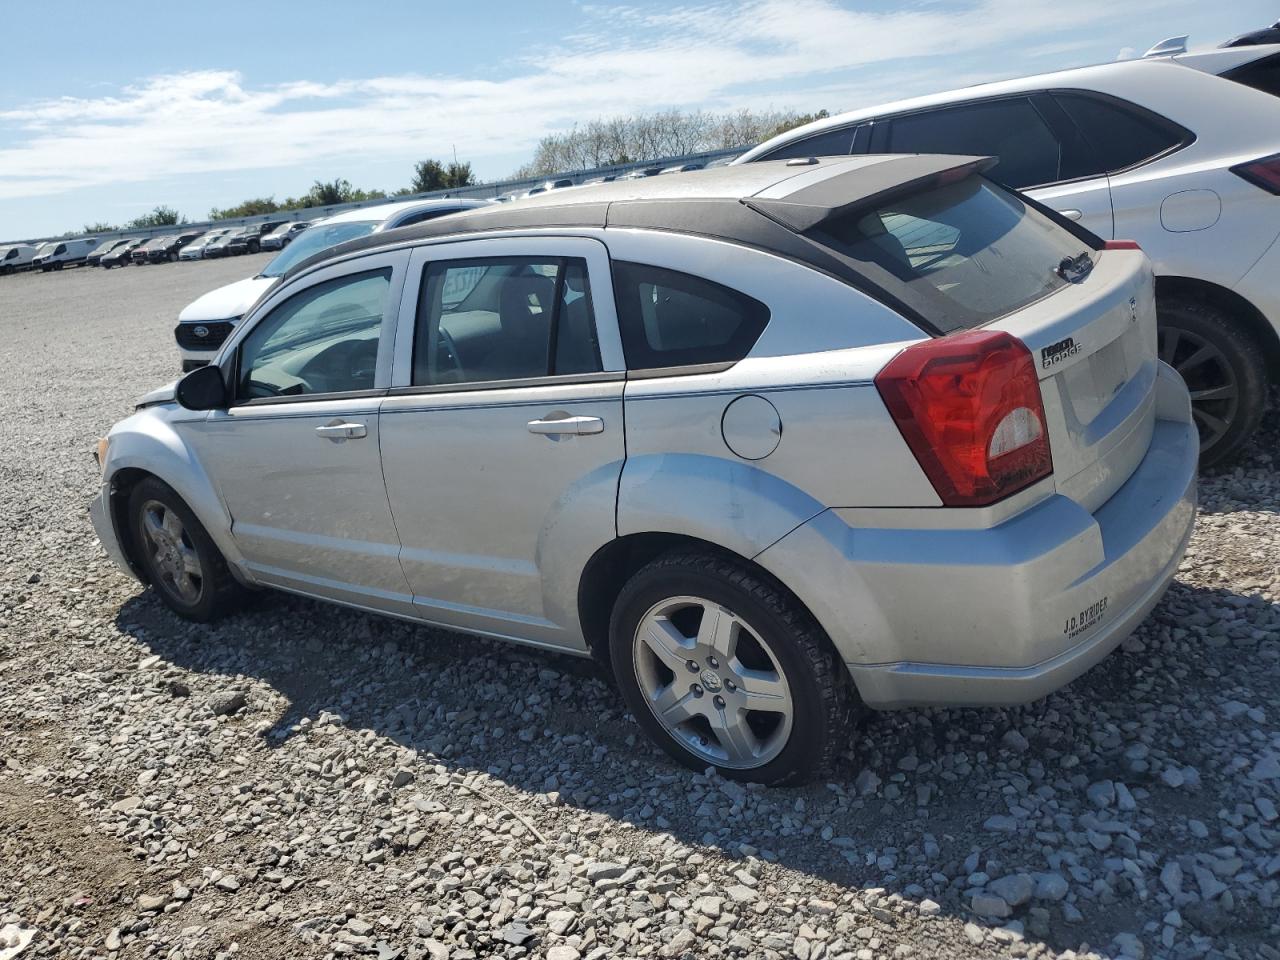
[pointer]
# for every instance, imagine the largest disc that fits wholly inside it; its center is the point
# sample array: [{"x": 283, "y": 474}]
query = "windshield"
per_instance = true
[
  {"x": 962, "y": 254},
  {"x": 47, "y": 249},
  {"x": 317, "y": 238}
]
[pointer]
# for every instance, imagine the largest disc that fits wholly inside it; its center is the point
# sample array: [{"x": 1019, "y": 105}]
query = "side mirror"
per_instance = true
[{"x": 202, "y": 389}]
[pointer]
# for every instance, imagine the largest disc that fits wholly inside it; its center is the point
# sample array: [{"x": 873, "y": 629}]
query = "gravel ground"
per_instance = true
[{"x": 303, "y": 781}]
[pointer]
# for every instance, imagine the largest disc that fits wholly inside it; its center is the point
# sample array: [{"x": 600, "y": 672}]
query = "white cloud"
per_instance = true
[{"x": 623, "y": 60}]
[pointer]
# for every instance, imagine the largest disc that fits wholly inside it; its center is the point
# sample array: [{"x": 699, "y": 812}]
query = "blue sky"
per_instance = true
[{"x": 107, "y": 111}]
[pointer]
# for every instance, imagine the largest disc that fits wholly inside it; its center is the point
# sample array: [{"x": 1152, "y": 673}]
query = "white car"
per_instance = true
[
  {"x": 63, "y": 253},
  {"x": 1178, "y": 152},
  {"x": 195, "y": 249},
  {"x": 281, "y": 236},
  {"x": 207, "y": 321},
  {"x": 16, "y": 257}
]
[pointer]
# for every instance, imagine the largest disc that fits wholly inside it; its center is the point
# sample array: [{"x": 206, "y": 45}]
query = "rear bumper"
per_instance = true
[{"x": 1007, "y": 614}]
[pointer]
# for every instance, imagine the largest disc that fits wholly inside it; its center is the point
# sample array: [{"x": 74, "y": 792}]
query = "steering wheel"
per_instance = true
[
  {"x": 258, "y": 389},
  {"x": 449, "y": 361}
]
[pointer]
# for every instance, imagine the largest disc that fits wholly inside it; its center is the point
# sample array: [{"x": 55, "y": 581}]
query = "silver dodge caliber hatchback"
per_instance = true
[{"x": 773, "y": 441}]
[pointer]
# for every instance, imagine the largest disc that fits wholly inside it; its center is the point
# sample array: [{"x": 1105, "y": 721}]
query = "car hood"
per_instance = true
[
  {"x": 159, "y": 395},
  {"x": 227, "y": 302}
]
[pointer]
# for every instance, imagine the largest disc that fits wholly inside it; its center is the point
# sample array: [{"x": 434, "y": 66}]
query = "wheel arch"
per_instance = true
[
  {"x": 1251, "y": 320},
  {"x": 122, "y": 483},
  {"x": 145, "y": 446},
  {"x": 621, "y": 558}
]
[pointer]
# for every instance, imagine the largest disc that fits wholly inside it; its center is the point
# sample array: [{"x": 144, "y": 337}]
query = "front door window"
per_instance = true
[{"x": 322, "y": 341}]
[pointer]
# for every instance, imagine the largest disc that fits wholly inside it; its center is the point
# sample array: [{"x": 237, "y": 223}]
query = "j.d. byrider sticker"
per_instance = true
[{"x": 1085, "y": 619}]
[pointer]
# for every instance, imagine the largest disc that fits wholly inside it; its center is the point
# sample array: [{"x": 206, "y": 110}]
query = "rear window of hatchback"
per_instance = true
[{"x": 961, "y": 255}]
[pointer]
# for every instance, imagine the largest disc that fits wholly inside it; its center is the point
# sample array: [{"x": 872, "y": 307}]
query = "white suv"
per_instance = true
[{"x": 1180, "y": 153}]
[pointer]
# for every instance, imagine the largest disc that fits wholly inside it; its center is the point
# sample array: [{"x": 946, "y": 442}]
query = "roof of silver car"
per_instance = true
[{"x": 762, "y": 204}]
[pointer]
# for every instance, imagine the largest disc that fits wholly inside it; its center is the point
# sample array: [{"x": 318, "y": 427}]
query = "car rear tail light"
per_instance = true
[
  {"x": 1264, "y": 173},
  {"x": 969, "y": 408},
  {"x": 1121, "y": 245}
]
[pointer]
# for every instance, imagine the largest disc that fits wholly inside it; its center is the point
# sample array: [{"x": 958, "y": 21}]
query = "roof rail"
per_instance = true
[{"x": 1170, "y": 47}]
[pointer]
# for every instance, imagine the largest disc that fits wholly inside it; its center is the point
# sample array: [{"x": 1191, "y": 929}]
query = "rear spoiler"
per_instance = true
[{"x": 833, "y": 197}]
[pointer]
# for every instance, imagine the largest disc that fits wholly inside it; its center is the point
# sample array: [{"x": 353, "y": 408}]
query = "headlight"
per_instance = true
[{"x": 100, "y": 452}]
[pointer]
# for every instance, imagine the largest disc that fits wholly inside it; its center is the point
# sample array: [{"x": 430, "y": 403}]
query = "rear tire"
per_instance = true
[
  {"x": 182, "y": 563},
  {"x": 1224, "y": 368},
  {"x": 757, "y": 692}
]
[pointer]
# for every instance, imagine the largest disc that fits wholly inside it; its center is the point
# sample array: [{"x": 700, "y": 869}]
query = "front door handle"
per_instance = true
[
  {"x": 1071, "y": 214},
  {"x": 574, "y": 426},
  {"x": 341, "y": 430}
]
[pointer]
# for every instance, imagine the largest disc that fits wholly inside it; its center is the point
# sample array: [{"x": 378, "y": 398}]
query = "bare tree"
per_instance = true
[{"x": 669, "y": 133}]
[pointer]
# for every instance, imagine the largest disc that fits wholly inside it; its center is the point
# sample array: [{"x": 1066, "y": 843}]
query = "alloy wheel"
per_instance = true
[
  {"x": 173, "y": 555},
  {"x": 712, "y": 682},
  {"x": 1215, "y": 393}
]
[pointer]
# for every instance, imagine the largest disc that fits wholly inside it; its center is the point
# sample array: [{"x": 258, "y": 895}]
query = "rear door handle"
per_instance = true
[
  {"x": 1071, "y": 214},
  {"x": 574, "y": 426},
  {"x": 341, "y": 430}
]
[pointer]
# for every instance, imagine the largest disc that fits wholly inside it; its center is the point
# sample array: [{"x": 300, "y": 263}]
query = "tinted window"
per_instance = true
[
  {"x": 831, "y": 143},
  {"x": 422, "y": 216},
  {"x": 504, "y": 318},
  {"x": 1118, "y": 136},
  {"x": 1262, "y": 75},
  {"x": 961, "y": 255},
  {"x": 1012, "y": 131},
  {"x": 322, "y": 340},
  {"x": 671, "y": 319}
]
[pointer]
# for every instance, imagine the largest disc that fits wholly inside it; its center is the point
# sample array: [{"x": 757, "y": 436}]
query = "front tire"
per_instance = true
[
  {"x": 722, "y": 668},
  {"x": 184, "y": 566},
  {"x": 1223, "y": 368}
]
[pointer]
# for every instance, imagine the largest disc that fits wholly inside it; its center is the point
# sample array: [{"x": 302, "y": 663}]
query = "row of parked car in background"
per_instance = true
[
  {"x": 167, "y": 248},
  {"x": 641, "y": 174},
  {"x": 233, "y": 241}
]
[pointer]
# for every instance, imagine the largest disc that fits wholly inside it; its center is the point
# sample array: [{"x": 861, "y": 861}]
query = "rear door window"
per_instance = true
[
  {"x": 1010, "y": 130},
  {"x": 961, "y": 254},
  {"x": 1119, "y": 135},
  {"x": 672, "y": 319},
  {"x": 504, "y": 318}
]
